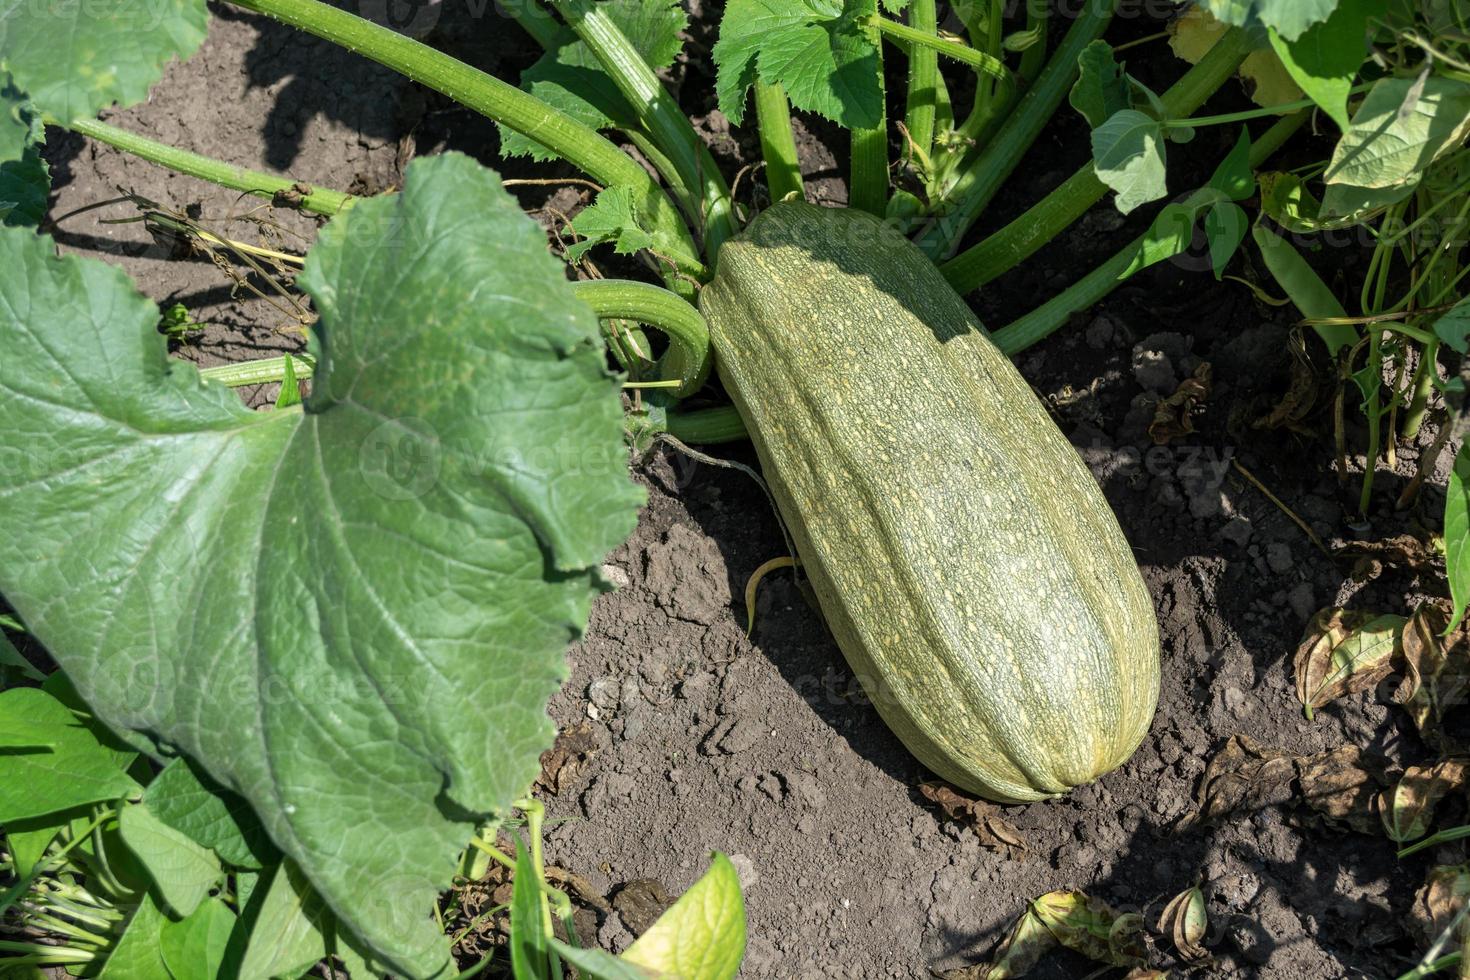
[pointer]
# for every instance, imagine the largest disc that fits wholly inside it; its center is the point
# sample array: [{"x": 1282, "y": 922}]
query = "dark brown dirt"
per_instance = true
[{"x": 765, "y": 748}]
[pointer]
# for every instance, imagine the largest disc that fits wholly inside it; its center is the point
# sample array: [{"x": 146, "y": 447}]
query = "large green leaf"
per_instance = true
[
  {"x": 25, "y": 179},
  {"x": 352, "y": 612},
  {"x": 73, "y": 59},
  {"x": 182, "y": 871},
  {"x": 1399, "y": 130},
  {"x": 194, "y": 948},
  {"x": 817, "y": 49},
  {"x": 1457, "y": 533}
]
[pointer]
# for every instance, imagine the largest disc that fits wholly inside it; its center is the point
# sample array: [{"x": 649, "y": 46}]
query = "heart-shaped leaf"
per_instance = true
[{"x": 350, "y": 612}]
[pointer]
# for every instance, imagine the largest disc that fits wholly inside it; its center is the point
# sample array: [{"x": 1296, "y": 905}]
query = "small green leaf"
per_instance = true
[
  {"x": 1128, "y": 155},
  {"x": 528, "y": 939},
  {"x": 287, "y": 933},
  {"x": 212, "y": 817},
  {"x": 827, "y": 62},
  {"x": 1234, "y": 177},
  {"x": 702, "y": 937},
  {"x": 139, "y": 953},
  {"x": 571, "y": 79},
  {"x": 76, "y": 770},
  {"x": 1304, "y": 287},
  {"x": 1101, "y": 89},
  {"x": 194, "y": 948},
  {"x": 611, "y": 218},
  {"x": 1225, "y": 226},
  {"x": 1454, "y": 327},
  {"x": 1326, "y": 58},
  {"x": 1394, "y": 136},
  {"x": 596, "y": 964},
  {"x": 290, "y": 394},
  {"x": 1457, "y": 534},
  {"x": 27, "y": 840},
  {"x": 181, "y": 870},
  {"x": 1289, "y": 18},
  {"x": 75, "y": 59}
]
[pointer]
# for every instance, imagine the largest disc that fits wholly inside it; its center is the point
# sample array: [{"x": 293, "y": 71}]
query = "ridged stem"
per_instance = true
[
  {"x": 867, "y": 185},
  {"x": 778, "y": 143},
  {"x": 923, "y": 75}
]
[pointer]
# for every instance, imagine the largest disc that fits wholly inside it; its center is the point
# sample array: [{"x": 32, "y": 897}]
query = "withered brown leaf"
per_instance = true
[
  {"x": 1174, "y": 415},
  {"x": 1343, "y": 652},
  {"x": 1408, "y": 807},
  {"x": 1341, "y": 784},
  {"x": 1244, "y": 775},
  {"x": 568, "y": 756},
  {"x": 994, "y": 831},
  {"x": 1440, "y": 900},
  {"x": 1436, "y": 671},
  {"x": 1185, "y": 921}
]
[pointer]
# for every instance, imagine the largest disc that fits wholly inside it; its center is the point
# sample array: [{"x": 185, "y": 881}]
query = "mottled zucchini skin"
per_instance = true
[{"x": 964, "y": 557}]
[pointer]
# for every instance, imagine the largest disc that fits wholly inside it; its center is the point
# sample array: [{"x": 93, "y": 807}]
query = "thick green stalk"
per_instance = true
[
  {"x": 706, "y": 425},
  {"x": 319, "y": 201},
  {"x": 580, "y": 145},
  {"x": 778, "y": 143},
  {"x": 867, "y": 185},
  {"x": 917, "y": 41},
  {"x": 1142, "y": 252},
  {"x": 981, "y": 179},
  {"x": 923, "y": 76},
  {"x": 1013, "y": 244},
  {"x": 661, "y": 115},
  {"x": 688, "y": 358}
]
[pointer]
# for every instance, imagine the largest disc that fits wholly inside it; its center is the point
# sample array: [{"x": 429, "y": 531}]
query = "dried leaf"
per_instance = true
[
  {"x": 568, "y": 756},
  {"x": 1245, "y": 775},
  {"x": 1400, "y": 551},
  {"x": 1343, "y": 785},
  {"x": 1184, "y": 920},
  {"x": 1174, "y": 416},
  {"x": 1091, "y": 927},
  {"x": 994, "y": 831},
  {"x": 1028, "y": 941},
  {"x": 1301, "y": 397},
  {"x": 1146, "y": 973},
  {"x": 1408, "y": 808},
  {"x": 1436, "y": 671},
  {"x": 1441, "y": 899},
  {"x": 1344, "y": 652}
]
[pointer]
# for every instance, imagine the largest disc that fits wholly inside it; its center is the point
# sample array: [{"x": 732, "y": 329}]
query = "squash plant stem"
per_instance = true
[
  {"x": 662, "y": 116},
  {"x": 1046, "y": 219},
  {"x": 1142, "y": 251},
  {"x": 579, "y": 144},
  {"x": 983, "y": 176},
  {"x": 319, "y": 201},
  {"x": 923, "y": 75},
  {"x": 778, "y": 143},
  {"x": 867, "y": 186}
]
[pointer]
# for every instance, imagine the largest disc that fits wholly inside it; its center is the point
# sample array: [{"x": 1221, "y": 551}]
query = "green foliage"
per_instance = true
[
  {"x": 702, "y": 937},
  {"x": 25, "y": 179},
  {"x": 195, "y": 948},
  {"x": 1101, "y": 89},
  {"x": 215, "y": 818},
  {"x": 1402, "y": 127},
  {"x": 570, "y": 78},
  {"x": 182, "y": 871},
  {"x": 1288, "y": 18},
  {"x": 1457, "y": 535},
  {"x": 288, "y": 926},
  {"x": 1454, "y": 326},
  {"x": 818, "y": 50},
  {"x": 1128, "y": 155},
  {"x": 611, "y": 218},
  {"x": 75, "y": 769},
  {"x": 139, "y": 953},
  {"x": 1326, "y": 57},
  {"x": 74, "y": 59},
  {"x": 349, "y": 602}
]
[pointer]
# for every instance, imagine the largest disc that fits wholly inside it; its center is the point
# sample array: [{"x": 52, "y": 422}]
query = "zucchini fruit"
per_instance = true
[{"x": 961, "y": 552}]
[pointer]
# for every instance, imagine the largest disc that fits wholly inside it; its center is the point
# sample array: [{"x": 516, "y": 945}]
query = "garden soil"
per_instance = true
[{"x": 694, "y": 737}]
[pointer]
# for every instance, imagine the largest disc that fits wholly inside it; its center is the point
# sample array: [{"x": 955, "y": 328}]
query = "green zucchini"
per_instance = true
[{"x": 961, "y": 552}]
